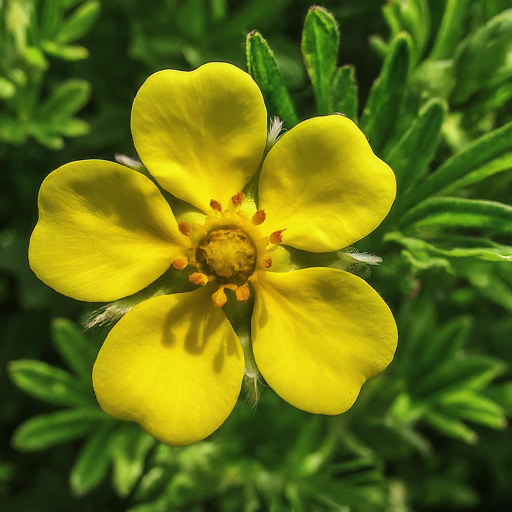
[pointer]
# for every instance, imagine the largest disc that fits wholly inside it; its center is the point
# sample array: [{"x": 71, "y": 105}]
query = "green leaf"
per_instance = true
[
  {"x": 46, "y": 138},
  {"x": 7, "y": 89},
  {"x": 320, "y": 41},
  {"x": 488, "y": 155},
  {"x": 481, "y": 55},
  {"x": 129, "y": 446},
  {"x": 473, "y": 372},
  {"x": 467, "y": 405},
  {"x": 66, "y": 100},
  {"x": 71, "y": 127},
  {"x": 486, "y": 279},
  {"x": 455, "y": 212},
  {"x": 412, "y": 16},
  {"x": 48, "y": 430},
  {"x": 455, "y": 247},
  {"x": 11, "y": 130},
  {"x": 451, "y": 30},
  {"x": 344, "y": 93},
  {"x": 410, "y": 157},
  {"x": 91, "y": 465},
  {"x": 73, "y": 347},
  {"x": 450, "y": 427},
  {"x": 49, "y": 383},
  {"x": 79, "y": 23},
  {"x": 386, "y": 94},
  {"x": 71, "y": 53},
  {"x": 263, "y": 68},
  {"x": 448, "y": 340}
]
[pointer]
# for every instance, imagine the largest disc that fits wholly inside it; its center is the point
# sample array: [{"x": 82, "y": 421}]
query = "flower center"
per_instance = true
[{"x": 229, "y": 254}]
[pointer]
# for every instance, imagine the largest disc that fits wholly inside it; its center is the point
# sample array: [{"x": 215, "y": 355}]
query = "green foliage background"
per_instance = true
[{"x": 429, "y": 82}]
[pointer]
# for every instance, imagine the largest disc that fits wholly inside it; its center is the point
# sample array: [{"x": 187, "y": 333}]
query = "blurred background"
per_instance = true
[{"x": 430, "y": 434}]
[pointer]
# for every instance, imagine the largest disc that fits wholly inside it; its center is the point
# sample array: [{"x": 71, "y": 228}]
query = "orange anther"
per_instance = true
[
  {"x": 219, "y": 297},
  {"x": 266, "y": 262},
  {"x": 215, "y": 205},
  {"x": 242, "y": 293},
  {"x": 198, "y": 278},
  {"x": 238, "y": 198},
  {"x": 276, "y": 237},
  {"x": 184, "y": 228},
  {"x": 259, "y": 217},
  {"x": 179, "y": 263}
]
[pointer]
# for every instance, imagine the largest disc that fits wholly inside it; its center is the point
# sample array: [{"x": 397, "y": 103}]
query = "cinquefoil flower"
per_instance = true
[{"x": 173, "y": 363}]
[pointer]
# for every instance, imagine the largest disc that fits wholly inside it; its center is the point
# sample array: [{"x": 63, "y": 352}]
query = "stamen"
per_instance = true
[
  {"x": 266, "y": 262},
  {"x": 276, "y": 237},
  {"x": 179, "y": 263},
  {"x": 238, "y": 198},
  {"x": 242, "y": 293},
  {"x": 184, "y": 228},
  {"x": 219, "y": 297},
  {"x": 231, "y": 286},
  {"x": 198, "y": 278},
  {"x": 259, "y": 217},
  {"x": 215, "y": 205}
]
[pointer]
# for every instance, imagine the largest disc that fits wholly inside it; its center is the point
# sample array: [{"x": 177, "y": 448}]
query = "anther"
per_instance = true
[
  {"x": 238, "y": 198},
  {"x": 215, "y": 205},
  {"x": 265, "y": 262},
  {"x": 276, "y": 237},
  {"x": 184, "y": 228},
  {"x": 259, "y": 217},
  {"x": 242, "y": 293},
  {"x": 198, "y": 278},
  {"x": 219, "y": 297},
  {"x": 179, "y": 263}
]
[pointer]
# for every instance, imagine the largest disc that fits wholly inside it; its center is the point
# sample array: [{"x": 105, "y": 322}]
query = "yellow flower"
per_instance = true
[{"x": 174, "y": 363}]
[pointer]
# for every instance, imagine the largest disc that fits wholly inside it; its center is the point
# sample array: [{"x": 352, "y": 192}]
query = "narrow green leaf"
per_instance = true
[
  {"x": 50, "y": 18},
  {"x": 456, "y": 247},
  {"x": 129, "y": 446},
  {"x": 262, "y": 66},
  {"x": 412, "y": 16},
  {"x": 79, "y": 23},
  {"x": 48, "y": 430},
  {"x": 451, "y": 427},
  {"x": 7, "y": 89},
  {"x": 49, "y": 383},
  {"x": 455, "y": 212},
  {"x": 91, "y": 465},
  {"x": 70, "y": 127},
  {"x": 386, "y": 95},
  {"x": 487, "y": 280},
  {"x": 410, "y": 157},
  {"x": 451, "y": 30},
  {"x": 66, "y": 100},
  {"x": 467, "y": 405},
  {"x": 73, "y": 347},
  {"x": 71, "y": 53},
  {"x": 481, "y": 55},
  {"x": 442, "y": 347},
  {"x": 320, "y": 42},
  {"x": 344, "y": 95},
  {"x": 472, "y": 372},
  {"x": 488, "y": 155}
]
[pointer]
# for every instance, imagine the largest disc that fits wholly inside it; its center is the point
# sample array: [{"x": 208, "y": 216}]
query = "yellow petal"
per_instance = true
[
  {"x": 323, "y": 184},
  {"x": 104, "y": 232},
  {"x": 172, "y": 364},
  {"x": 202, "y": 133},
  {"x": 318, "y": 335}
]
